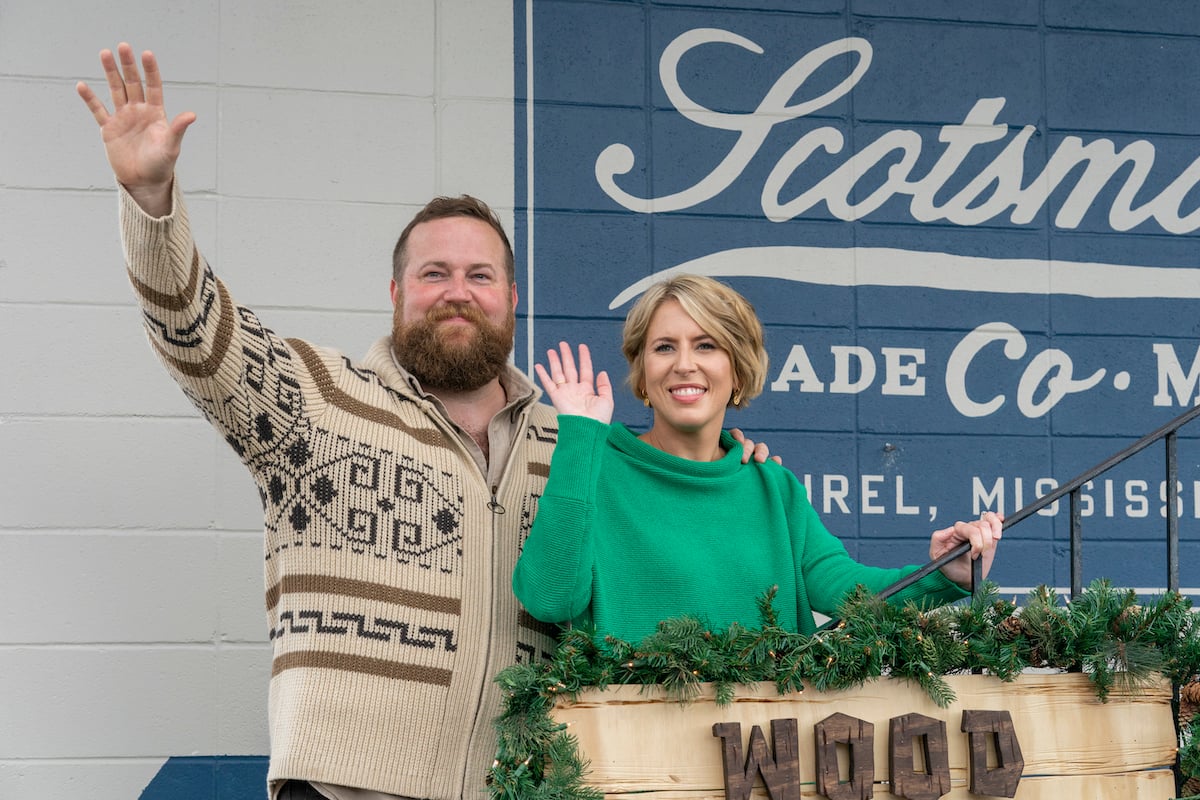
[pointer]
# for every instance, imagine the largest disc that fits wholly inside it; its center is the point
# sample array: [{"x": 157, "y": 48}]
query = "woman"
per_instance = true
[{"x": 636, "y": 528}]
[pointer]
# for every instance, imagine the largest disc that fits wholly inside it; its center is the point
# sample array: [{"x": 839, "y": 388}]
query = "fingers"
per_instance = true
[
  {"x": 180, "y": 124},
  {"x": 983, "y": 534},
  {"x": 554, "y": 376},
  {"x": 124, "y": 80},
  {"x": 562, "y": 365},
  {"x": 543, "y": 376},
  {"x": 973, "y": 533},
  {"x": 116, "y": 84},
  {"x": 130, "y": 74},
  {"x": 99, "y": 112},
  {"x": 154, "y": 89},
  {"x": 585, "y": 364},
  {"x": 562, "y": 369},
  {"x": 990, "y": 527},
  {"x": 603, "y": 385},
  {"x": 569, "y": 373},
  {"x": 562, "y": 372},
  {"x": 759, "y": 451}
]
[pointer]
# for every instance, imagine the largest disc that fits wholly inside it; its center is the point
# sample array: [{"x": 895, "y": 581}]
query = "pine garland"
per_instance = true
[{"x": 1103, "y": 633}]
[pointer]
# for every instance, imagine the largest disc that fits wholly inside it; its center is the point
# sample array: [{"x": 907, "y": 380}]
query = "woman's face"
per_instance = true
[{"x": 688, "y": 378}]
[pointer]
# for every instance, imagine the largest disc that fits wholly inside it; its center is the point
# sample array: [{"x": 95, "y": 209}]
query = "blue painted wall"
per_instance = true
[{"x": 969, "y": 227}]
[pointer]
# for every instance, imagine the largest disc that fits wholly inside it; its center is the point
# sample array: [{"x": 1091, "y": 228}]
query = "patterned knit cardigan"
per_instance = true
[{"x": 388, "y": 558}]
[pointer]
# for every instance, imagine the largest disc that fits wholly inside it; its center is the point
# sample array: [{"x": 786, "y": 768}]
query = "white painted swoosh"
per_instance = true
[{"x": 887, "y": 266}]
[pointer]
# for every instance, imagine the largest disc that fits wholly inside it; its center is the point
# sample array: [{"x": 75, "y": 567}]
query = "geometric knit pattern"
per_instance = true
[{"x": 387, "y": 556}]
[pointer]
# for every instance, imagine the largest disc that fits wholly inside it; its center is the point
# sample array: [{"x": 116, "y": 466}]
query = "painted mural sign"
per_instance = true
[{"x": 973, "y": 246}]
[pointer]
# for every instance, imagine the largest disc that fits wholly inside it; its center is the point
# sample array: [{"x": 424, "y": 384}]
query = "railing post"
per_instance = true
[
  {"x": 1172, "y": 513},
  {"x": 976, "y": 577},
  {"x": 1076, "y": 545}
]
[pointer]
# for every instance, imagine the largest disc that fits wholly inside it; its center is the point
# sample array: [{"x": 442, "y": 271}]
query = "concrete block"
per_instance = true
[
  {"x": 92, "y": 473},
  {"x": 61, "y": 780},
  {"x": 240, "y": 590},
  {"x": 617, "y": 67},
  {"x": 89, "y": 702},
  {"x": 1176, "y": 17},
  {"x": 475, "y": 141},
  {"x": 311, "y": 255},
  {"x": 299, "y": 145},
  {"x": 970, "y": 62},
  {"x": 469, "y": 38},
  {"x": 379, "y": 46},
  {"x": 183, "y": 36},
  {"x": 1019, "y": 12},
  {"x": 85, "y": 360},
  {"x": 1131, "y": 72},
  {"x": 39, "y": 263},
  {"x": 64, "y": 587},
  {"x": 243, "y": 675}
]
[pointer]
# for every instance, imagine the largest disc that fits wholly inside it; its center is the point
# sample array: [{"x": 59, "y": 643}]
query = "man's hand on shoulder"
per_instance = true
[{"x": 751, "y": 449}]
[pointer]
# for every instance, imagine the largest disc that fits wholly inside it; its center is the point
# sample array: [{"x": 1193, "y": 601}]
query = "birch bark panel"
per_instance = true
[
  {"x": 637, "y": 740},
  {"x": 1146, "y": 785}
]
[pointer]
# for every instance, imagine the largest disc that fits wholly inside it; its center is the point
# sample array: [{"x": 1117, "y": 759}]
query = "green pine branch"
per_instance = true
[{"x": 1103, "y": 633}]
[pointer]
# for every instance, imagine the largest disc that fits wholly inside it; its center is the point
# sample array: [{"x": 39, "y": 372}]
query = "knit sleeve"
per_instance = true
[
  {"x": 553, "y": 576},
  {"x": 829, "y": 573},
  {"x": 240, "y": 375}
]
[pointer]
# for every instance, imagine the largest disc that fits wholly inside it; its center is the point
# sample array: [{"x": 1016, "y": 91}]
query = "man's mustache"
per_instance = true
[{"x": 449, "y": 311}]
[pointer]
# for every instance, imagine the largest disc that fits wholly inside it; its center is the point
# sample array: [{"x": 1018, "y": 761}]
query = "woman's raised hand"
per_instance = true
[{"x": 576, "y": 391}]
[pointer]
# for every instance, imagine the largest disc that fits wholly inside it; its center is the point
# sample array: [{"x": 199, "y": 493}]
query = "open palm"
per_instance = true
[
  {"x": 141, "y": 144},
  {"x": 576, "y": 391}
]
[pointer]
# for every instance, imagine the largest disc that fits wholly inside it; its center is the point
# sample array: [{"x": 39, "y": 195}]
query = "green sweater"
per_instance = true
[{"x": 627, "y": 535}]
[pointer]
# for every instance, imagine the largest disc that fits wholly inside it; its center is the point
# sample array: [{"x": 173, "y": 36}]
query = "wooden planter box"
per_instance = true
[{"x": 1040, "y": 737}]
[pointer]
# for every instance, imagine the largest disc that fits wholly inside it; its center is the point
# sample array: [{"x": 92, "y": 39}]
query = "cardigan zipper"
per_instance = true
[{"x": 494, "y": 504}]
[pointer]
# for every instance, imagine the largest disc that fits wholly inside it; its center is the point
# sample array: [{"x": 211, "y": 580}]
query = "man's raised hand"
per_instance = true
[{"x": 141, "y": 144}]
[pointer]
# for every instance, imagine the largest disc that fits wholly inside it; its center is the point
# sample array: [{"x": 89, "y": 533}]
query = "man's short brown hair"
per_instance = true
[{"x": 461, "y": 206}]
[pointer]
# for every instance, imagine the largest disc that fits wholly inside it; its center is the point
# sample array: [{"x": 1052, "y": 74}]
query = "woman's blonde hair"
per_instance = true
[{"x": 721, "y": 312}]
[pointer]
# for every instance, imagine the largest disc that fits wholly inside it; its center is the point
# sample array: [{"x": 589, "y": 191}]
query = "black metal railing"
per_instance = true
[{"x": 1074, "y": 487}]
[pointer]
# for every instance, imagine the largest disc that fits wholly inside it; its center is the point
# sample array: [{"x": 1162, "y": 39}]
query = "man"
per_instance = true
[
  {"x": 394, "y": 496},
  {"x": 396, "y": 491}
]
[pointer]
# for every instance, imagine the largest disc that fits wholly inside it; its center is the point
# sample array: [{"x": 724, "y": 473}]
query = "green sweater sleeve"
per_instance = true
[
  {"x": 829, "y": 573},
  {"x": 553, "y": 576}
]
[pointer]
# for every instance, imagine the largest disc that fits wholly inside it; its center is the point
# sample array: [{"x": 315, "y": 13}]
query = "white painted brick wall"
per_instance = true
[{"x": 131, "y": 618}]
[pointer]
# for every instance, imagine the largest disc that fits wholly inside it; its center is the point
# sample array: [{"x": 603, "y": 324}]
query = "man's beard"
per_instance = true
[{"x": 457, "y": 358}]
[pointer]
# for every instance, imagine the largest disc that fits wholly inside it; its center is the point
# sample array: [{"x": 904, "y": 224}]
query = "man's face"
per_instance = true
[{"x": 453, "y": 321}]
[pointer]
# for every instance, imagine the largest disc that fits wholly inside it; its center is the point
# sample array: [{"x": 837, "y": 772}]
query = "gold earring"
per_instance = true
[
  {"x": 737, "y": 397},
  {"x": 646, "y": 400}
]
